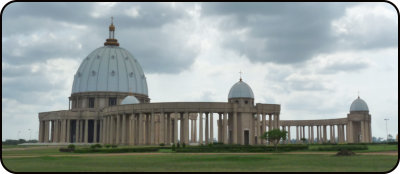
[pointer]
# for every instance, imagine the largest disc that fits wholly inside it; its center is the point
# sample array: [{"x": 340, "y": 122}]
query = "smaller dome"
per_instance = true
[
  {"x": 241, "y": 90},
  {"x": 359, "y": 105},
  {"x": 129, "y": 100}
]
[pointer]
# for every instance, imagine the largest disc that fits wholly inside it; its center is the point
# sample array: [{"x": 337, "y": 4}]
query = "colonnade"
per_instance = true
[
  {"x": 319, "y": 136},
  {"x": 156, "y": 128},
  {"x": 69, "y": 130}
]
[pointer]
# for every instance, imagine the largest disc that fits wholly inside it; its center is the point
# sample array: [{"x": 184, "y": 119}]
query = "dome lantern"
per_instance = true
[{"x": 111, "y": 41}]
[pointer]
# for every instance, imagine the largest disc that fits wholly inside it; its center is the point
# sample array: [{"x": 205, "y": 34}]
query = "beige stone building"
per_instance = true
[{"x": 109, "y": 104}]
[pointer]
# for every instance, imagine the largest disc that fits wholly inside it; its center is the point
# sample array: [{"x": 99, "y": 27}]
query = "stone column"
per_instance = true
[
  {"x": 211, "y": 128},
  {"x": 186, "y": 130},
  {"x": 362, "y": 132},
  {"x": 94, "y": 131},
  {"x": 270, "y": 122},
  {"x": 77, "y": 125},
  {"x": 118, "y": 129},
  {"x": 140, "y": 129},
  {"x": 86, "y": 130},
  {"x": 289, "y": 137},
  {"x": 40, "y": 139},
  {"x": 201, "y": 128},
  {"x": 169, "y": 128},
  {"x": 219, "y": 127},
  {"x": 123, "y": 131},
  {"x": 312, "y": 134},
  {"x": 45, "y": 132},
  {"x": 263, "y": 115},
  {"x": 55, "y": 136},
  {"x": 258, "y": 131},
  {"x": 101, "y": 124},
  {"x": 325, "y": 134},
  {"x": 277, "y": 120},
  {"x": 61, "y": 131},
  {"x": 152, "y": 128},
  {"x": 161, "y": 130},
  {"x": 369, "y": 131},
  {"x": 318, "y": 137},
  {"x": 297, "y": 134},
  {"x": 235, "y": 131},
  {"x": 350, "y": 132},
  {"x": 195, "y": 130},
  {"x": 107, "y": 130},
  {"x": 176, "y": 128},
  {"x": 225, "y": 128},
  {"x": 68, "y": 125},
  {"x": 206, "y": 135},
  {"x": 191, "y": 122}
]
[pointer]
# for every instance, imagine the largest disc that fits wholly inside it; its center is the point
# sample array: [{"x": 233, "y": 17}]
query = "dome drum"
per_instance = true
[{"x": 102, "y": 99}]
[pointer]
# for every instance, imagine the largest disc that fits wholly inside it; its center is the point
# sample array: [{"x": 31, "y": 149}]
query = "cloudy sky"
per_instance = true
[{"x": 311, "y": 58}]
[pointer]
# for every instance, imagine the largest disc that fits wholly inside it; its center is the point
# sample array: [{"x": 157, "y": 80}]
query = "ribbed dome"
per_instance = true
[
  {"x": 359, "y": 105},
  {"x": 129, "y": 100},
  {"x": 240, "y": 90},
  {"x": 110, "y": 69}
]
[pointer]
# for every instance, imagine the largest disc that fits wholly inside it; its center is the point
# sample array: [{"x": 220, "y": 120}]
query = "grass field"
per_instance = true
[
  {"x": 169, "y": 161},
  {"x": 217, "y": 162}
]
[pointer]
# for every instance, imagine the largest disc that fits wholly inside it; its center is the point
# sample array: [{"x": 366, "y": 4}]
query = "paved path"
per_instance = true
[{"x": 391, "y": 153}]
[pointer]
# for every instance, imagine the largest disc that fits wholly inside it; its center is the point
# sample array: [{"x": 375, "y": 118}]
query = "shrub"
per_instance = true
[
  {"x": 71, "y": 146},
  {"x": 242, "y": 148},
  {"x": 342, "y": 147},
  {"x": 183, "y": 145},
  {"x": 94, "y": 146},
  {"x": 108, "y": 146},
  {"x": 178, "y": 145},
  {"x": 114, "y": 146},
  {"x": 118, "y": 150},
  {"x": 173, "y": 147},
  {"x": 345, "y": 153},
  {"x": 66, "y": 150},
  {"x": 162, "y": 144}
]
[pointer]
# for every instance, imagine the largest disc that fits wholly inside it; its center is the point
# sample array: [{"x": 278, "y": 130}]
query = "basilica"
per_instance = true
[{"x": 109, "y": 104}]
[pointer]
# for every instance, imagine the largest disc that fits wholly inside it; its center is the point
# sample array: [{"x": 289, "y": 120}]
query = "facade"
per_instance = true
[{"x": 109, "y": 104}]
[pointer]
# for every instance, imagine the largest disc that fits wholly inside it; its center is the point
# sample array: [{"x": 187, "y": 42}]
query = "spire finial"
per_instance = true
[
  {"x": 111, "y": 35},
  {"x": 240, "y": 72},
  {"x": 358, "y": 93}
]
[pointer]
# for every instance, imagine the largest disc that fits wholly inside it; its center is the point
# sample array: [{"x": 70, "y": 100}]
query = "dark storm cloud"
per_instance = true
[{"x": 289, "y": 33}]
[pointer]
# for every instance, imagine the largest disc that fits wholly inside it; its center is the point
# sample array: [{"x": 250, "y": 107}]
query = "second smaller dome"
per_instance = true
[
  {"x": 359, "y": 105},
  {"x": 129, "y": 100}
]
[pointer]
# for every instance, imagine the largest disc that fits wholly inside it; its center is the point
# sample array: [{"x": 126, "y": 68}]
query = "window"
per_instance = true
[
  {"x": 91, "y": 102},
  {"x": 112, "y": 101},
  {"x": 246, "y": 102},
  {"x": 237, "y": 101}
]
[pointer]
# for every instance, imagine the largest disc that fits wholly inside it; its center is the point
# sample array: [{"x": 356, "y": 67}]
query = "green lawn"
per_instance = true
[
  {"x": 216, "y": 162},
  {"x": 371, "y": 148},
  {"x": 170, "y": 161}
]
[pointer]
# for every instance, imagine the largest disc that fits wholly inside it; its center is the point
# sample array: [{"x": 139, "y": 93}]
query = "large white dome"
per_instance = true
[
  {"x": 359, "y": 105},
  {"x": 111, "y": 69},
  {"x": 241, "y": 90}
]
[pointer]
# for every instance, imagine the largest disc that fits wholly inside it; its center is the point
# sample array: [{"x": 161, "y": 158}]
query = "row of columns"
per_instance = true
[
  {"x": 321, "y": 134},
  {"x": 60, "y": 131}
]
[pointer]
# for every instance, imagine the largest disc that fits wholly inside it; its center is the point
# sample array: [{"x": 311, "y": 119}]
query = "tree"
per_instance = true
[{"x": 275, "y": 136}]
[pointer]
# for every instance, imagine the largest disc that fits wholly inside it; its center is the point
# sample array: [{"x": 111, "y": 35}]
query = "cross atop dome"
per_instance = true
[
  {"x": 240, "y": 72},
  {"x": 111, "y": 41}
]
